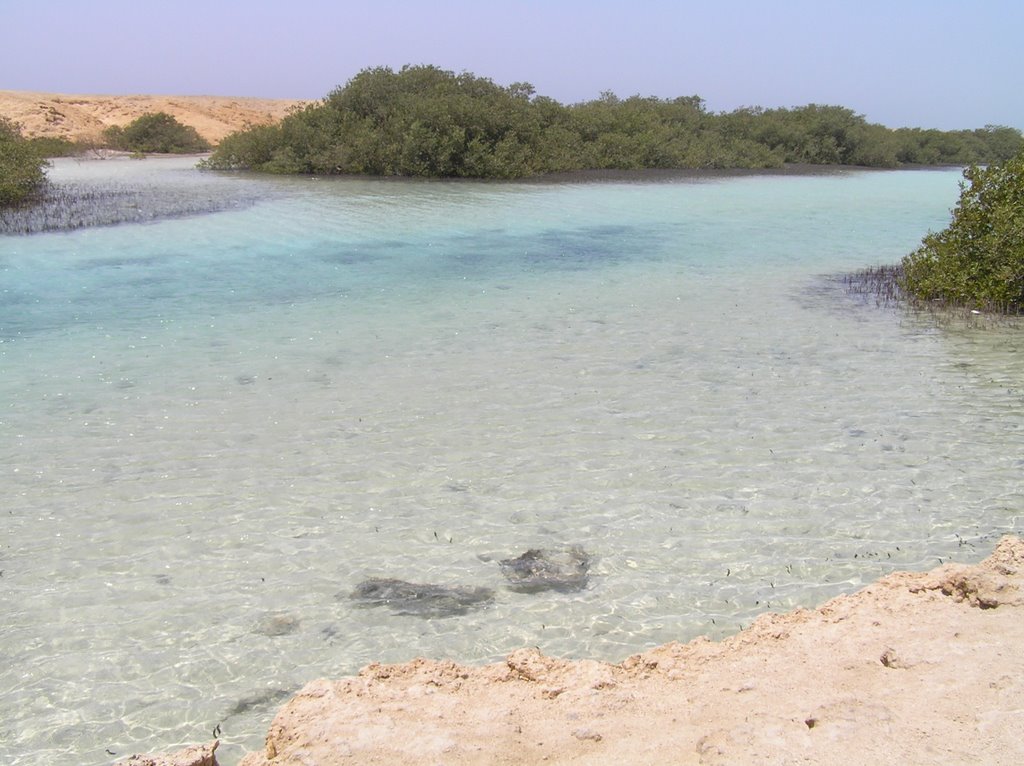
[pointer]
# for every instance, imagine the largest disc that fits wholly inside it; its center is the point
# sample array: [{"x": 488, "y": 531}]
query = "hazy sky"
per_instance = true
[{"x": 931, "y": 63}]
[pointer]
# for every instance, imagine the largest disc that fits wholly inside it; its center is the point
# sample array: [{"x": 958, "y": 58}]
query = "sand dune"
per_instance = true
[{"x": 84, "y": 118}]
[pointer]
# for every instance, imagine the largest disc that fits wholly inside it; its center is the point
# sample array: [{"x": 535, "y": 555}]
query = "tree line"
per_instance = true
[{"x": 426, "y": 121}]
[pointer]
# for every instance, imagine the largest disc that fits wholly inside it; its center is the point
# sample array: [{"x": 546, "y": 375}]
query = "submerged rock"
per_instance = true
[
  {"x": 277, "y": 624},
  {"x": 421, "y": 600},
  {"x": 539, "y": 569}
]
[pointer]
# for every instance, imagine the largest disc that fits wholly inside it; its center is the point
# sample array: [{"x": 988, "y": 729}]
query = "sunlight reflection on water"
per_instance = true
[{"x": 219, "y": 423}]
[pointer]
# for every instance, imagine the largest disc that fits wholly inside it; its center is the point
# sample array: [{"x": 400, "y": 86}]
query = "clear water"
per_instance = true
[{"x": 213, "y": 422}]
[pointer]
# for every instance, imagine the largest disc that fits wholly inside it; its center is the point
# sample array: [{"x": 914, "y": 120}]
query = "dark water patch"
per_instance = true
[
  {"x": 584, "y": 248},
  {"x": 367, "y": 252},
  {"x": 484, "y": 253},
  {"x": 350, "y": 257},
  {"x": 554, "y": 249},
  {"x": 167, "y": 282}
]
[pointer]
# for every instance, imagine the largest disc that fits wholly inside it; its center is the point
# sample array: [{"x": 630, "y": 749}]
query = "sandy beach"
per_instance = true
[
  {"x": 85, "y": 117},
  {"x": 918, "y": 668}
]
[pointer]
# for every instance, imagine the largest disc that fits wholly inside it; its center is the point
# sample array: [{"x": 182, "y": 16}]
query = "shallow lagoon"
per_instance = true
[{"x": 214, "y": 427}]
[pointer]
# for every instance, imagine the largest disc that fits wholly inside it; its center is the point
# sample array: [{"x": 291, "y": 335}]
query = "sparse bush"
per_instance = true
[
  {"x": 978, "y": 260},
  {"x": 51, "y": 146},
  {"x": 156, "y": 132},
  {"x": 22, "y": 174}
]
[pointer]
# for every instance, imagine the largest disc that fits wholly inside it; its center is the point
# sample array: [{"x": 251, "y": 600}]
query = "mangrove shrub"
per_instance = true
[
  {"x": 22, "y": 173},
  {"x": 978, "y": 260},
  {"x": 420, "y": 121},
  {"x": 425, "y": 121},
  {"x": 155, "y": 133}
]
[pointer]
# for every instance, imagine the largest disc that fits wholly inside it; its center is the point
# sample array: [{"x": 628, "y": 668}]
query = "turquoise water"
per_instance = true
[{"x": 213, "y": 427}]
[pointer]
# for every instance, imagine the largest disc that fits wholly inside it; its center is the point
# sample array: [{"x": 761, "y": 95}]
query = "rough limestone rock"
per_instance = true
[
  {"x": 914, "y": 669},
  {"x": 195, "y": 755}
]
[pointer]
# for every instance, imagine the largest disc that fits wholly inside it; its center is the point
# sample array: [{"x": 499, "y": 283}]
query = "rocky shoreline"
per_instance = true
[{"x": 917, "y": 668}]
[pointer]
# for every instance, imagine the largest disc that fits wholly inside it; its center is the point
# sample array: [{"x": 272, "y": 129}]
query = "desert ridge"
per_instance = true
[{"x": 83, "y": 118}]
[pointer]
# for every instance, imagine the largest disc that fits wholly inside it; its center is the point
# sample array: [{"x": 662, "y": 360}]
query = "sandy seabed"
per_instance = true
[{"x": 918, "y": 668}]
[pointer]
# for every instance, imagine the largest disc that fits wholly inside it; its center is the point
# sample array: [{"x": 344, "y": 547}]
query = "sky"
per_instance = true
[{"x": 903, "y": 63}]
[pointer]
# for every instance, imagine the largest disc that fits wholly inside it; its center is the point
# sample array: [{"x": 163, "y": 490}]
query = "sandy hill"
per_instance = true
[{"x": 85, "y": 117}]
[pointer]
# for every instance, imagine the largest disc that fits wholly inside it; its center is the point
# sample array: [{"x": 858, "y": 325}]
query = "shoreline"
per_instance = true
[
  {"x": 917, "y": 668},
  {"x": 111, "y": 188},
  {"x": 673, "y": 174},
  {"x": 70, "y": 203}
]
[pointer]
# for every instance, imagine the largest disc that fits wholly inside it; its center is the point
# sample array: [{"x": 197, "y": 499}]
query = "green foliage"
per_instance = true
[
  {"x": 21, "y": 166},
  {"x": 978, "y": 260},
  {"x": 425, "y": 121},
  {"x": 993, "y": 143},
  {"x": 420, "y": 121},
  {"x": 51, "y": 146},
  {"x": 815, "y": 135},
  {"x": 156, "y": 132}
]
